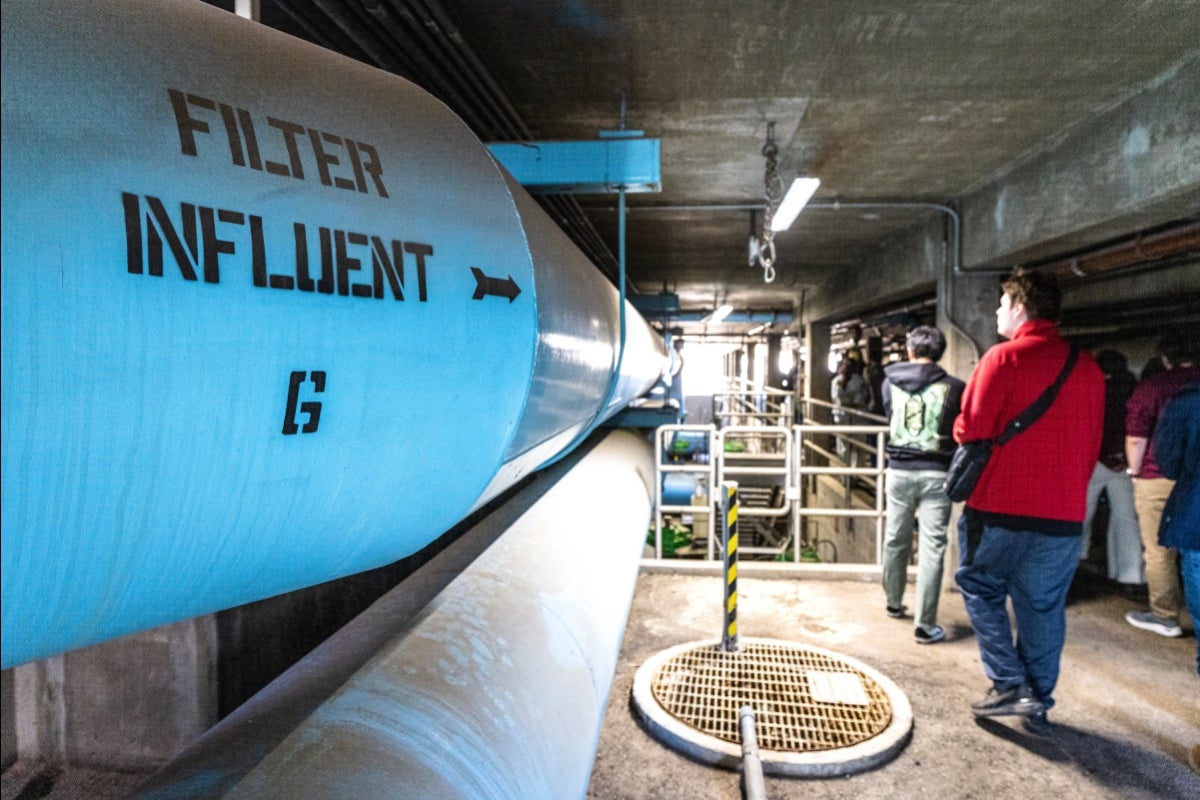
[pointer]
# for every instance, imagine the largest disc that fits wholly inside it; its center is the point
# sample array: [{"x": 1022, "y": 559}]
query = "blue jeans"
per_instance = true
[
  {"x": 919, "y": 494},
  {"x": 1033, "y": 569},
  {"x": 1190, "y": 562}
]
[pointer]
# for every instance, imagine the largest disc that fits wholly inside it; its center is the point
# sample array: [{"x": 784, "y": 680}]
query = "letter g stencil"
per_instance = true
[{"x": 311, "y": 408}]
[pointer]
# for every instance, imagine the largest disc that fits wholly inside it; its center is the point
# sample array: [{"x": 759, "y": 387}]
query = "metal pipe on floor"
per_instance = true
[
  {"x": 497, "y": 690},
  {"x": 752, "y": 771}
]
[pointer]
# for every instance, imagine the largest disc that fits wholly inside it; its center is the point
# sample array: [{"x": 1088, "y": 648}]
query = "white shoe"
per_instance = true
[{"x": 1149, "y": 621}]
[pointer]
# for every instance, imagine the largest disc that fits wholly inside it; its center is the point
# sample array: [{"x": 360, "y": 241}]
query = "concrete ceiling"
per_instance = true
[{"x": 883, "y": 100}]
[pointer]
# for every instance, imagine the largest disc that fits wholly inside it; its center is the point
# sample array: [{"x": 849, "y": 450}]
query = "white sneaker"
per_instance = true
[{"x": 1149, "y": 621}]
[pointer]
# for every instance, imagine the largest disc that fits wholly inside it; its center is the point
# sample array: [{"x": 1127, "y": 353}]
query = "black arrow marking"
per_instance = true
[{"x": 499, "y": 287}]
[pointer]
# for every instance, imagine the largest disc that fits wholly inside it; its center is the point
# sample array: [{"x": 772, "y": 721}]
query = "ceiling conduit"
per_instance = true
[
  {"x": 426, "y": 47},
  {"x": 1142, "y": 249}
]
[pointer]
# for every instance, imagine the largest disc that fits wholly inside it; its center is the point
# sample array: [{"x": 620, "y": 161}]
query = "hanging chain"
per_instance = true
[{"x": 772, "y": 190}]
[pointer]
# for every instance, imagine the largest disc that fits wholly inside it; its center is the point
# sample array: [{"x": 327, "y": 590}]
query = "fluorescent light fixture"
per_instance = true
[
  {"x": 721, "y": 313},
  {"x": 800, "y": 192},
  {"x": 757, "y": 330}
]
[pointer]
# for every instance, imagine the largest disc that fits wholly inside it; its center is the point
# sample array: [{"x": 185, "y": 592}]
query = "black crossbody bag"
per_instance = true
[{"x": 971, "y": 457}]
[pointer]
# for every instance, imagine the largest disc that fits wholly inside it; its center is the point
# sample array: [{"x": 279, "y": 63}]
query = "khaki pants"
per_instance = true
[{"x": 1162, "y": 577}]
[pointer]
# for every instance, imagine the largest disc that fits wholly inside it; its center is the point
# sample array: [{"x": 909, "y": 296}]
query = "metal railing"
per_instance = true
[
  {"x": 858, "y": 438},
  {"x": 747, "y": 403},
  {"x": 779, "y": 470},
  {"x": 763, "y": 459},
  {"x": 663, "y": 452},
  {"x": 870, "y": 477}
]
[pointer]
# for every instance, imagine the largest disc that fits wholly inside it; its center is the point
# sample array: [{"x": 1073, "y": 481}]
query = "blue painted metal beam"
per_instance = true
[
  {"x": 658, "y": 305},
  {"x": 601, "y": 166}
]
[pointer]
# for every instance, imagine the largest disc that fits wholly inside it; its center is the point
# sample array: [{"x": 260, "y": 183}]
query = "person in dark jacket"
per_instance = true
[
  {"x": 920, "y": 401},
  {"x": 1177, "y": 449},
  {"x": 1151, "y": 487}
]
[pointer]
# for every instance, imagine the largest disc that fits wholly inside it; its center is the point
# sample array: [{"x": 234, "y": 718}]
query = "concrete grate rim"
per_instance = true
[{"x": 818, "y": 713}]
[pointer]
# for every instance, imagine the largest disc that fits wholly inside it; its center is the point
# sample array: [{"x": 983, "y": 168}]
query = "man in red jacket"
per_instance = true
[{"x": 1019, "y": 535}]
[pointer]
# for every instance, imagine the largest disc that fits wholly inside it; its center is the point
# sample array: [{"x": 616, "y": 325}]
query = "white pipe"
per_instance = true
[{"x": 499, "y": 688}]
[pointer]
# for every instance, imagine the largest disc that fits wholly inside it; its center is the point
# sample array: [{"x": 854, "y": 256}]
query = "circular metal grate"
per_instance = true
[
  {"x": 802, "y": 699},
  {"x": 817, "y": 712}
]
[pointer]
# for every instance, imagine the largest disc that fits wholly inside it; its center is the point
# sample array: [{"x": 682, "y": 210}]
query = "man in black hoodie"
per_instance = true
[{"x": 920, "y": 401}]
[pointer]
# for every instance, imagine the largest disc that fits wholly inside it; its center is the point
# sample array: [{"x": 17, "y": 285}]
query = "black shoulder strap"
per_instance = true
[{"x": 1044, "y": 401}]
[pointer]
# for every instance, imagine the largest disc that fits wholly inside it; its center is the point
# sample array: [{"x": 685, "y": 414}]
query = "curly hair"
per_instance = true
[{"x": 1037, "y": 291}]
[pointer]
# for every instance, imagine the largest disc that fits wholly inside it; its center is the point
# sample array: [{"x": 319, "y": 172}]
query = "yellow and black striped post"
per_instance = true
[{"x": 729, "y": 544}]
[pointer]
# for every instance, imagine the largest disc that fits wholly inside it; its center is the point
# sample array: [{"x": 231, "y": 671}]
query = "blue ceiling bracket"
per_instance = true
[{"x": 618, "y": 160}]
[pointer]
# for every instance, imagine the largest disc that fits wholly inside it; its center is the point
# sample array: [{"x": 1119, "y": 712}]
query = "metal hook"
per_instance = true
[{"x": 769, "y": 149}]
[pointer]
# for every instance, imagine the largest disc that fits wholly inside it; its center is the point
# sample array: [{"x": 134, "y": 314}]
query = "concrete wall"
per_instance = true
[
  {"x": 919, "y": 262},
  {"x": 258, "y": 641},
  {"x": 132, "y": 703},
  {"x": 912, "y": 264},
  {"x": 817, "y": 380},
  {"x": 8, "y": 720},
  {"x": 966, "y": 314},
  {"x": 135, "y": 702},
  {"x": 1130, "y": 168}
]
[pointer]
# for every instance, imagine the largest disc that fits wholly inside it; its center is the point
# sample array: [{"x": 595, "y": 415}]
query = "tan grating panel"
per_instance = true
[{"x": 803, "y": 700}]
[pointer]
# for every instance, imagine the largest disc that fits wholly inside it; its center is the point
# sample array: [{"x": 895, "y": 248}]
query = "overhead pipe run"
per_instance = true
[
  {"x": 750, "y": 317},
  {"x": 270, "y": 317},
  {"x": 954, "y": 247},
  {"x": 839, "y": 205},
  {"x": 1177, "y": 240},
  {"x": 417, "y": 39}
]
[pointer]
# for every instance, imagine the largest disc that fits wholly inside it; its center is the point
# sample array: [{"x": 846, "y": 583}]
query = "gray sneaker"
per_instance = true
[
  {"x": 1149, "y": 621},
  {"x": 1009, "y": 702},
  {"x": 929, "y": 635}
]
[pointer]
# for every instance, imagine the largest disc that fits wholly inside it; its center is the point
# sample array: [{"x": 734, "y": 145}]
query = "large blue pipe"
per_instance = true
[{"x": 270, "y": 317}]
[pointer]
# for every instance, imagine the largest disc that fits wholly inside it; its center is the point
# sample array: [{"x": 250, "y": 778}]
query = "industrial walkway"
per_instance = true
[
  {"x": 1128, "y": 701},
  {"x": 1128, "y": 710}
]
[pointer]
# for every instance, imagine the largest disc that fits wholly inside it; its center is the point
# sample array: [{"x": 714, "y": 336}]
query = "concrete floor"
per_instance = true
[
  {"x": 1128, "y": 707},
  {"x": 29, "y": 781},
  {"x": 1128, "y": 703}
]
